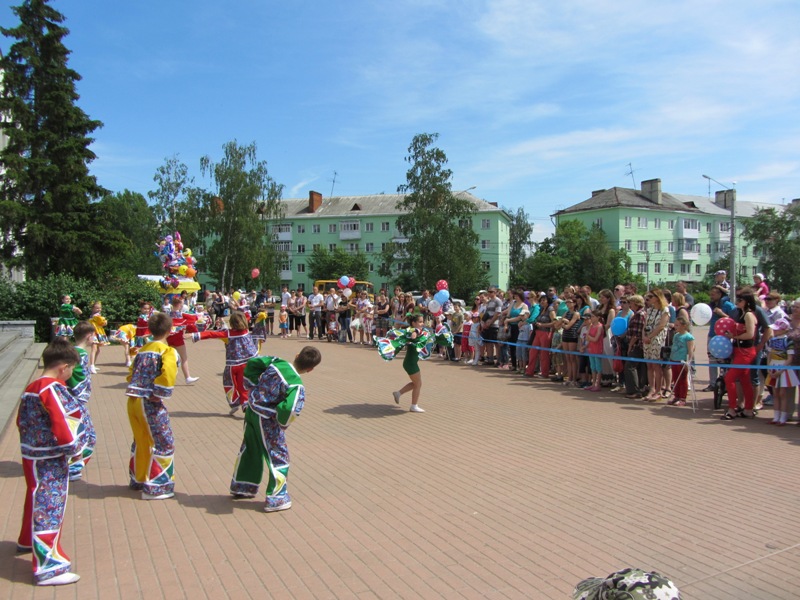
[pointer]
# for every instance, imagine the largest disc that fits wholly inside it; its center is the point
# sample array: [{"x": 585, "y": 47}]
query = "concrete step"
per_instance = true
[{"x": 19, "y": 362}]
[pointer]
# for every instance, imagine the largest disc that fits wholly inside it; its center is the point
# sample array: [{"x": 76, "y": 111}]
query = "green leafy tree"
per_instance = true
[
  {"x": 441, "y": 243},
  {"x": 519, "y": 242},
  {"x": 325, "y": 264},
  {"x": 575, "y": 254},
  {"x": 46, "y": 214},
  {"x": 134, "y": 219},
  {"x": 241, "y": 206},
  {"x": 777, "y": 232}
]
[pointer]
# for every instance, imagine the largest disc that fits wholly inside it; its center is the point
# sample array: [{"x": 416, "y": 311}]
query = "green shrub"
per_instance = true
[{"x": 39, "y": 299}]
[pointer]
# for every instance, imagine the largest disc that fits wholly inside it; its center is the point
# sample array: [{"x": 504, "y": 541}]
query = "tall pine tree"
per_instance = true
[{"x": 46, "y": 215}]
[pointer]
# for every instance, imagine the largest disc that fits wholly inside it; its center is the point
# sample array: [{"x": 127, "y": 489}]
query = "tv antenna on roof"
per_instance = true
[
  {"x": 333, "y": 182},
  {"x": 631, "y": 172}
]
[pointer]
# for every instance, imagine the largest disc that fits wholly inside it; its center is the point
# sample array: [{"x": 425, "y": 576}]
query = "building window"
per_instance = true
[
  {"x": 628, "y": 245},
  {"x": 332, "y": 228},
  {"x": 656, "y": 223},
  {"x": 485, "y": 223},
  {"x": 352, "y": 247},
  {"x": 485, "y": 244},
  {"x": 385, "y": 226},
  {"x": 657, "y": 246},
  {"x": 708, "y": 227},
  {"x": 315, "y": 228},
  {"x": 282, "y": 228},
  {"x": 642, "y": 246},
  {"x": 724, "y": 227},
  {"x": 371, "y": 268},
  {"x": 383, "y": 246},
  {"x": 316, "y": 247},
  {"x": 684, "y": 268},
  {"x": 642, "y": 222},
  {"x": 697, "y": 269},
  {"x": 670, "y": 269},
  {"x": 691, "y": 224},
  {"x": 628, "y": 221},
  {"x": 670, "y": 246},
  {"x": 657, "y": 268},
  {"x": 641, "y": 267},
  {"x": 331, "y": 247},
  {"x": 301, "y": 248},
  {"x": 283, "y": 246},
  {"x": 671, "y": 224},
  {"x": 369, "y": 247},
  {"x": 286, "y": 266},
  {"x": 301, "y": 229},
  {"x": 485, "y": 265},
  {"x": 755, "y": 270},
  {"x": 368, "y": 227},
  {"x": 301, "y": 268},
  {"x": 349, "y": 226},
  {"x": 598, "y": 222},
  {"x": 708, "y": 248}
]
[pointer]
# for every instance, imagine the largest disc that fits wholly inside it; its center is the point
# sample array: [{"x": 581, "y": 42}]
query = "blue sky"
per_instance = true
[{"x": 536, "y": 103}]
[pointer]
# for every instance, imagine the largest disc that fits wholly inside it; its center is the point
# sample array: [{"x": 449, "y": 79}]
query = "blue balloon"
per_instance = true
[
  {"x": 720, "y": 347},
  {"x": 442, "y": 296},
  {"x": 619, "y": 326}
]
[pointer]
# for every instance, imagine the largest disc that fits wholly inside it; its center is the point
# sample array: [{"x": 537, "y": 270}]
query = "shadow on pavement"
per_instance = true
[{"x": 367, "y": 411}]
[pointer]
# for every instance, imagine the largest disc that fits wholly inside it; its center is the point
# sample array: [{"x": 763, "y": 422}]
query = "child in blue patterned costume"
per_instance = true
[
  {"x": 276, "y": 398},
  {"x": 150, "y": 382},
  {"x": 80, "y": 386},
  {"x": 50, "y": 431}
]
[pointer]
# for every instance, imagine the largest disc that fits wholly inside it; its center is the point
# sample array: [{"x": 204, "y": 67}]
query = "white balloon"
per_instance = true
[
  {"x": 701, "y": 314},
  {"x": 347, "y": 292},
  {"x": 434, "y": 307}
]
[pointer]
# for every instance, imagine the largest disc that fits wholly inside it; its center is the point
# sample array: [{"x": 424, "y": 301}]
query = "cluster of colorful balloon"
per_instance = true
[
  {"x": 346, "y": 284},
  {"x": 177, "y": 261}
]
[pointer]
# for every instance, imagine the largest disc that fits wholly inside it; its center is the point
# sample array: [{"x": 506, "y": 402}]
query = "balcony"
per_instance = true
[
  {"x": 286, "y": 275},
  {"x": 283, "y": 236},
  {"x": 691, "y": 232},
  {"x": 350, "y": 235}
]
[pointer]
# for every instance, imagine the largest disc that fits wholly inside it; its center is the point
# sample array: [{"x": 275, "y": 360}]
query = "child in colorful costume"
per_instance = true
[
  {"x": 100, "y": 338},
  {"x": 276, "y": 398},
  {"x": 238, "y": 350},
  {"x": 50, "y": 432},
  {"x": 150, "y": 382},
  {"x": 67, "y": 316},
  {"x": 143, "y": 336},
  {"x": 260, "y": 326},
  {"x": 80, "y": 386},
  {"x": 125, "y": 336},
  {"x": 181, "y": 323}
]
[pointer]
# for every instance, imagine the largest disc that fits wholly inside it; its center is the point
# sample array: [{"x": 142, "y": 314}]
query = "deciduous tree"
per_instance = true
[{"x": 777, "y": 232}]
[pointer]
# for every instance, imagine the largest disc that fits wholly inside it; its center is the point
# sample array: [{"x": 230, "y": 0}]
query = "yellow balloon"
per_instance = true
[
  {"x": 187, "y": 252},
  {"x": 182, "y": 270},
  {"x": 236, "y": 296}
]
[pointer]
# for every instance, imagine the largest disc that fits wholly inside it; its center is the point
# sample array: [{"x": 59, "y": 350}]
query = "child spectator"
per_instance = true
[
  {"x": 781, "y": 351},
  {"x": 276, "y": 398},
  {"x": 80, "y": 386},
  {"x": 682, "y": 353},
  {"x": 283, "y": 322},
  {"x": 260, "y": 326},
  {"x": 557, "y": 358},
  {"x": 595, "y": 335},
  {"x": 67, "y": 316},
  {"x": 150, "y": 382},
  {"x": 50, "y": 431},
  {"x": 333, "y": 327},
  {"x": 475, "y": 339},
  {"x": 239, "y": 349}
]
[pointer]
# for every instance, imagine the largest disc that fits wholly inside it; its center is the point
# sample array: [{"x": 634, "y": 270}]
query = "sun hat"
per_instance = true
[
  {"x": 781, "y": 324},
  {"x": 721, "y": 272}
]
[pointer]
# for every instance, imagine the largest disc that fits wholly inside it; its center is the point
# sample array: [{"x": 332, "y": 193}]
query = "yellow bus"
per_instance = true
[{"x": 323, "y": 285}]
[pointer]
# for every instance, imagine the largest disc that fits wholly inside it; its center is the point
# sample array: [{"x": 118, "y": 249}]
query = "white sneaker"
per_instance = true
[
  {"x": 93, "y": 371},
  {"x": 269, "y": 508},
  {"x": 62, "y": 579},
  {"x": 164, "y": 496},
  {"x": 396, "y": 397},
  {"x": 415, "y": 408},
  {"x": 190, "y": 380}
]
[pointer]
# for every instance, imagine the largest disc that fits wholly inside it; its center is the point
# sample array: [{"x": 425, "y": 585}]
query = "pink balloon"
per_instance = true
[
  {"x": 725, "y": 325},
  {"x": 255, "y": 273},
  {"x": 441, "y": 285}
]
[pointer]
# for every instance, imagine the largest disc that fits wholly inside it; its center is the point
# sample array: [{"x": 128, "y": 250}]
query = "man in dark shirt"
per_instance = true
[{"x": 635, "y": 371}]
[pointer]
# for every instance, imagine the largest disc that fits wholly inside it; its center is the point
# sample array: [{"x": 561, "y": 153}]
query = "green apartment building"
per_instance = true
[
  {"x": 670, "y": 237},
  {"x": 366, "y": 224}
]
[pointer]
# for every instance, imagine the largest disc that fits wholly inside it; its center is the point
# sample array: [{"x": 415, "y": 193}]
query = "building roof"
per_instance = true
[
  {"x": 618, "y": 197},
  {"x": 629, "y": 198},
  {"x": 366, "y": 206}
]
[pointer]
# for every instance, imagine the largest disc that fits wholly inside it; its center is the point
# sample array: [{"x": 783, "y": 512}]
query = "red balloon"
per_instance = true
[
  {"x": 352, "y": 282},
  {"x": 725, "y": 325},
  {"x": 339, "y": 284},
  {"x": 255, "y": 273},
  {"x": 441, "y": 285}
]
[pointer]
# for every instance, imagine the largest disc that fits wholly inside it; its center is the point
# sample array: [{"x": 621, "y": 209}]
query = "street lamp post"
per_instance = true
[{"x": 730, "y": 192}]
